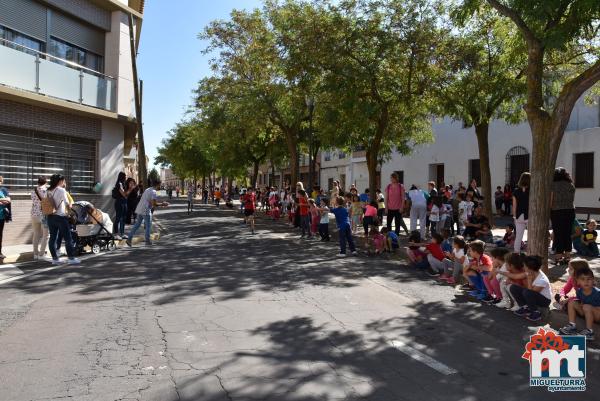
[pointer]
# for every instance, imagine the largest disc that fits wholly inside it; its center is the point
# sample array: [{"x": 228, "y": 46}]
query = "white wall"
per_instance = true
[
  {"x": 455, "y": 146},
  {"x": 110, "y": 152}
]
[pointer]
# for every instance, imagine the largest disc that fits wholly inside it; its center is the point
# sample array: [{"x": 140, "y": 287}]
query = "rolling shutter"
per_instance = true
[
  {"x": 77, "y": 33},
  {"x": 25, "y": 16}
]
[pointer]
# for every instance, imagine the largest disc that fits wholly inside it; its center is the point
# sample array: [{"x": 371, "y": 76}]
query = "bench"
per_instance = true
[{"x": 588, "y": 212}]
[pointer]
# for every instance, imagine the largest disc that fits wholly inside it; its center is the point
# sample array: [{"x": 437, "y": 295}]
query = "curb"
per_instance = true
[{"x": 28, "y": 256}]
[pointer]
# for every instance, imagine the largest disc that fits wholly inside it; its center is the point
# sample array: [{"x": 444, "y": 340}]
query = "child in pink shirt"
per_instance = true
[
  {"x": 315, "y": 217},
  {"x": 563, "y": 298}
]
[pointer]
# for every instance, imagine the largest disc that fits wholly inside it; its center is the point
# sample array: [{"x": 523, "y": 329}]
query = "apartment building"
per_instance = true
[
  {"x": 66, "y": 97},
  {"x": 453, "y": 157}
]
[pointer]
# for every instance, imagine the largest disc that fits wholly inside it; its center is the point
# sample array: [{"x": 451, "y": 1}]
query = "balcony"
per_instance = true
[{"x": 29, "y": 70}]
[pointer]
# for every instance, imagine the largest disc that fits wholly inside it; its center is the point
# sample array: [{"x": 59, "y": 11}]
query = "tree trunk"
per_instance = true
[
  {"x": 544, "y": 156},
  {"x": 313, "y": 167},
  {"x": 291, "y": 140},
  {"x": 481, "y": 130},
  {"x": 372, "y": 167},
  {"x": 229, "y": 185},
  {"x": 254, "y": 174},
  {"x": 272, "y": 178}
]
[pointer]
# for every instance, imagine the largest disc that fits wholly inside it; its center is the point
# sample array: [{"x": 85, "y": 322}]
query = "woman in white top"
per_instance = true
[
  {"x": 418, "y": 210},
  {"x": 38, "y": 221},
  {"x": 58, "y": 221}
]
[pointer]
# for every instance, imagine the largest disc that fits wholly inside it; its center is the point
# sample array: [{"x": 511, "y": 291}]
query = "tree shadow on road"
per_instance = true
[{"x": 211, "y": 253}]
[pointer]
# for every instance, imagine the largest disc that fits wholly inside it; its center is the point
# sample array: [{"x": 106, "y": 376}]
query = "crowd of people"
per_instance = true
[{"x": 451, "y": 239}]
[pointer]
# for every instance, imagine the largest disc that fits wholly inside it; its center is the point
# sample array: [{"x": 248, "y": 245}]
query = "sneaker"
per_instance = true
[
  {"x": 522, "y": 311},
  {"x": 534, "y": 316},
  {"x": 128, "y": 242},
  {"x": 432, "y": 273},
  {"x": 568, "y": 330},
  {"x": 341, "y": 255},
  {"x": 515, "y": 308},
  {"x": 36, "y": 257},
  {"x": 503, "y": 304},
  {"x": 118, "y": 238},
  {"x": 488, "y": 299},
  {"x": 466, "y": 287},
  {"x": 354, "y": 253},
  {"x": 125, "y": 236},
  {"x": 74, "y": 261},
  {"x": 558, "y": 306},
  {"x": 58, "y": 261},
  {"x": 496, "y": 301},
  {"x": 588, "y": 333}
]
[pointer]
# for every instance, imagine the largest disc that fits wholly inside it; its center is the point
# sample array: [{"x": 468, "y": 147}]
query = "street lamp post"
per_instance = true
[{"x": 310, "y": 103}]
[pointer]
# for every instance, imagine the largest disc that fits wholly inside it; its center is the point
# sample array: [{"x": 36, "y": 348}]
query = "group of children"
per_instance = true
[
  {"x": 503, "y": 278},
  {"x": 508, "y": 280}
]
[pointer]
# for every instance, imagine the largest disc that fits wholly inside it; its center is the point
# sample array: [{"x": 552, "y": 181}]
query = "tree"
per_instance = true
[
  {"x": 250, "y": 53},
  {"x": 483, "y": 82},
  {"x": 153, "y": 176},
  {"x": 561, "y": 38},
  {"x": 377, "y": 60}
]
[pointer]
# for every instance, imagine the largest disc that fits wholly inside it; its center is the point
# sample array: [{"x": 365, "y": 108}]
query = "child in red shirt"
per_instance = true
[
  {"x": 435, "y": 254},
  {"x": 304, "y": 213},
  {"x": 481, "y": 265}
]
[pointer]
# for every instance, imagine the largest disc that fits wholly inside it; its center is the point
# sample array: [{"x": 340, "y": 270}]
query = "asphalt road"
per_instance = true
[{"x": 213, "y": 313}]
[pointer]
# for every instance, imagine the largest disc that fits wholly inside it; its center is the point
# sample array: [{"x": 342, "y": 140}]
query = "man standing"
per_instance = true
[
  {"x": 144, "y": 212},
  {"x": 395, "y": 195}
]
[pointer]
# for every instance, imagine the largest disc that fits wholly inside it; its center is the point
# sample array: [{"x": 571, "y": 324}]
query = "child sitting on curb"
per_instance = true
[
  {"x": 491, "y": 281},
  {"x": 417, "y": 257},
  {"x": 435, "y": 255},
  {"x": 455, "y": 261},
  {"x": 586, "y": 305},
  {"x": 514, "y": 273},
  {"x": 537, "y": 293},
  {"x": 391, "y": 240},
  {"x": 479, "y": 266},
  {"x": 589, "y": 247},
  {"x": 508, "y": 241},
  {"x": 563, "y": 298}
]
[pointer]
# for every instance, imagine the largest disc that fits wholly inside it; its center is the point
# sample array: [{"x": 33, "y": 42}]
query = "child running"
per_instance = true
[
  {"x": 249, "y": 201},
  {"x": 586, "y": 305},
  {"x": 342, "y": 220}
]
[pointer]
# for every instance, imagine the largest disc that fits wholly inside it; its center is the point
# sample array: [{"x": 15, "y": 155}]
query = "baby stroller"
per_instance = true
[{"x": 93, "y": 228}]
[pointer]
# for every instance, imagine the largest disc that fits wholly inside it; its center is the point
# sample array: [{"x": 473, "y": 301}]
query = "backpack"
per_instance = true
[
  {"x": 47, "y": 203},
  {"x": 116, "y": 194}
]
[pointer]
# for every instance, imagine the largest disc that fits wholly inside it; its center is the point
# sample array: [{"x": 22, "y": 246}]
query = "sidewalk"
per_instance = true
[{"x": 24, "y": 252}]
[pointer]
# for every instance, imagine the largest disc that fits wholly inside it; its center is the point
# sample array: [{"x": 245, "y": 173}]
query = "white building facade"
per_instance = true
[{"x": 453, "y": 157}]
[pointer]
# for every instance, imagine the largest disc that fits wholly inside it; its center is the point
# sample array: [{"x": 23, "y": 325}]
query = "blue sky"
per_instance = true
[{"x": 170, "y": 60}]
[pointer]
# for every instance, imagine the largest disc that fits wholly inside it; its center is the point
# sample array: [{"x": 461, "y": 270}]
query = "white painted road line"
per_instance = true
[{"x": 423, "y": 358}]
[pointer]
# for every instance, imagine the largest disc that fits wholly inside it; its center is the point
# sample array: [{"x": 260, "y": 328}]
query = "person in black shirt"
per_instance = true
[
  {"x": 520, "y": 208},
  {"x": 475, "y": 193},
  {"x": 475, "y": 223},
  {"x": 588, "y": 239}
]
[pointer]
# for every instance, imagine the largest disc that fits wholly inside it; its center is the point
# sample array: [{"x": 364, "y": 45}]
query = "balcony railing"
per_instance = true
[{"x": 33, "y": 71}]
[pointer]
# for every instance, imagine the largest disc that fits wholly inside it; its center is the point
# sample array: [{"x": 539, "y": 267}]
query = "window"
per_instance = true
[
  {"x": 327, "y": 156},
  {"x": 329, "y": 183},
  {"x": 341, "y": 155},
  {"x": 27, "y": 43},
  {"x": 26, "y": 155},
  {"x": 74, "y": 54},
  {"x": 474, "y": 170},
  {"x": 583, "y": 169}
]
